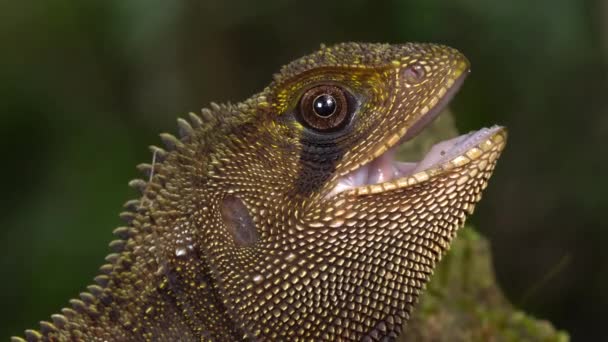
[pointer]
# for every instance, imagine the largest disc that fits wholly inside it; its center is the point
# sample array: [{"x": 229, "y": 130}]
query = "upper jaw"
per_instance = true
[{"x": 426, "y": 117}]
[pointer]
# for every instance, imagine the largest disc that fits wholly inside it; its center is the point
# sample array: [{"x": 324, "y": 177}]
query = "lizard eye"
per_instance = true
[{"x": 325, "y": 107}]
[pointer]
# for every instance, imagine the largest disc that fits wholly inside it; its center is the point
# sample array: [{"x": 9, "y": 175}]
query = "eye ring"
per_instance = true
[{"x": 325, "y": 107}]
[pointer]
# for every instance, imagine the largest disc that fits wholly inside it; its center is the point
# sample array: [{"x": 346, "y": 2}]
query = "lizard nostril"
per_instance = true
[{"x": 413, "y": 74}]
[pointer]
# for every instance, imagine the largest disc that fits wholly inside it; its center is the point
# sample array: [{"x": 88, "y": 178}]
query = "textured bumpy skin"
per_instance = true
[{"x": 238, "y": 234}]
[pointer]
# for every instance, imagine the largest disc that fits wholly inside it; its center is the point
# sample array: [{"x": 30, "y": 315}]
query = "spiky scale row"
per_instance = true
[
  {"x": 69, "y": 313},
  {"x": 123, "y": 232},
  {"x": 208, "y": 116},
  {"x": 111, "y": 258},
  {"x": 33, "y": 335},
  {"x": 216, "y": 107},
  {"x": 102, "y": 280},
  {"x": 195, "y": 120},
  {"x": 88, "y": 298},
  {"x": 127, "y": 216},
  {"x": 170, "y": 141},
  {"x": 47, "y": 328},
  {"x": 117, "y": 246},
  {"x": 146, "y": 169},
  {"x": 158, "y": 153},
  {"x": 85, "y": 305},
  {"x": 132, "y": 205},
  {"x": 184, "y": 128},
  {"x": 59, "y": 320},
  {"x": 139, "y": 185},
  {"x": 78, "y": 305},
  {"x": 95, "y": 290}
]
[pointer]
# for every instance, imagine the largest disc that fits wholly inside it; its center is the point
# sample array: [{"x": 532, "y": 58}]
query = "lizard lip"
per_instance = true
[{"x": 386, "y": 173}]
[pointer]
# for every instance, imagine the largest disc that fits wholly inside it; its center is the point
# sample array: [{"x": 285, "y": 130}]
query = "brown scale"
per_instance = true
[{"x": 238, "y": 235}]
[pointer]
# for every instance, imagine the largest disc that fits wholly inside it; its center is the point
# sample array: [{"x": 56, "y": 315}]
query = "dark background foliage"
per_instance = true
[{"x": 85, "y": 86}]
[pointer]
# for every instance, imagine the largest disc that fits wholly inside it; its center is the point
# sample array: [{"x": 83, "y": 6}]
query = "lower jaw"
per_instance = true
[{"x": 386, "y": 169}]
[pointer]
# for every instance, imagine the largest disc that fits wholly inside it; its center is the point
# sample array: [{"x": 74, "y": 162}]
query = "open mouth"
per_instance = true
[{"x": 385, "y": 172}]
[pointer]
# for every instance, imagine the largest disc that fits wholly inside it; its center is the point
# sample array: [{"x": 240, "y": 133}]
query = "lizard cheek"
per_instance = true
[{"x": 238, "y": 222}]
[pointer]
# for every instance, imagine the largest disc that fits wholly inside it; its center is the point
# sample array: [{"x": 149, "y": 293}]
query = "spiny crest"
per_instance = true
[
  {"x": 184, "y": 128},
  {"x": 138, "y": 184},
  {"x": 132, "y": 205},
  {"x": 218, "y": 115},
  {"x": 145, "y": 169},
  {"x": 85, "y": 304},
  {"x": 170, "y": 141},
  {"x": 219, "y": 118},
  {"x": 59, "y": 320}
]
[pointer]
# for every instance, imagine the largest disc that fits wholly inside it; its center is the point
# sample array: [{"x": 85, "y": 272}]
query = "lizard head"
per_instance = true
[
  {"x": 318, "y": 231},
  {"x": 287, "y": 216}
]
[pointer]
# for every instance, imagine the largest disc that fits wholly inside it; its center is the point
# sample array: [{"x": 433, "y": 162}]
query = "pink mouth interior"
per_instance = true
[{"x": 386, "y": 168}]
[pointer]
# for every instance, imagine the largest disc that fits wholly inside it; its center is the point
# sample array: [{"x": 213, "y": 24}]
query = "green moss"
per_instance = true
[{"x": 464, "y": 303}]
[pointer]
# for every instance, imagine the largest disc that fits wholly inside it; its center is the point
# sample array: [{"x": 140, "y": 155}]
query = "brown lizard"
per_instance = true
[{"x": 286, "y": 216}]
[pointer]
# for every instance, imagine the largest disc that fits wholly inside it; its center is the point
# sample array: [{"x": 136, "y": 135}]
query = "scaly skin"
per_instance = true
[{"x": 239, "y": 234}]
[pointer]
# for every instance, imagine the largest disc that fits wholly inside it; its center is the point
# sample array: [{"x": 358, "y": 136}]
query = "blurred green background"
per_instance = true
[{"x": 85, "y": 86}]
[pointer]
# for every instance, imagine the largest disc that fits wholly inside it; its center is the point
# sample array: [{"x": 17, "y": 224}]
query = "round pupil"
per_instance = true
[{"x": 324, "y": 105}]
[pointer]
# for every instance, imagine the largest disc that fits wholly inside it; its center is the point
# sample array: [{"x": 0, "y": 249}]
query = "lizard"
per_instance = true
[{"x": 287, "y": 216}]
